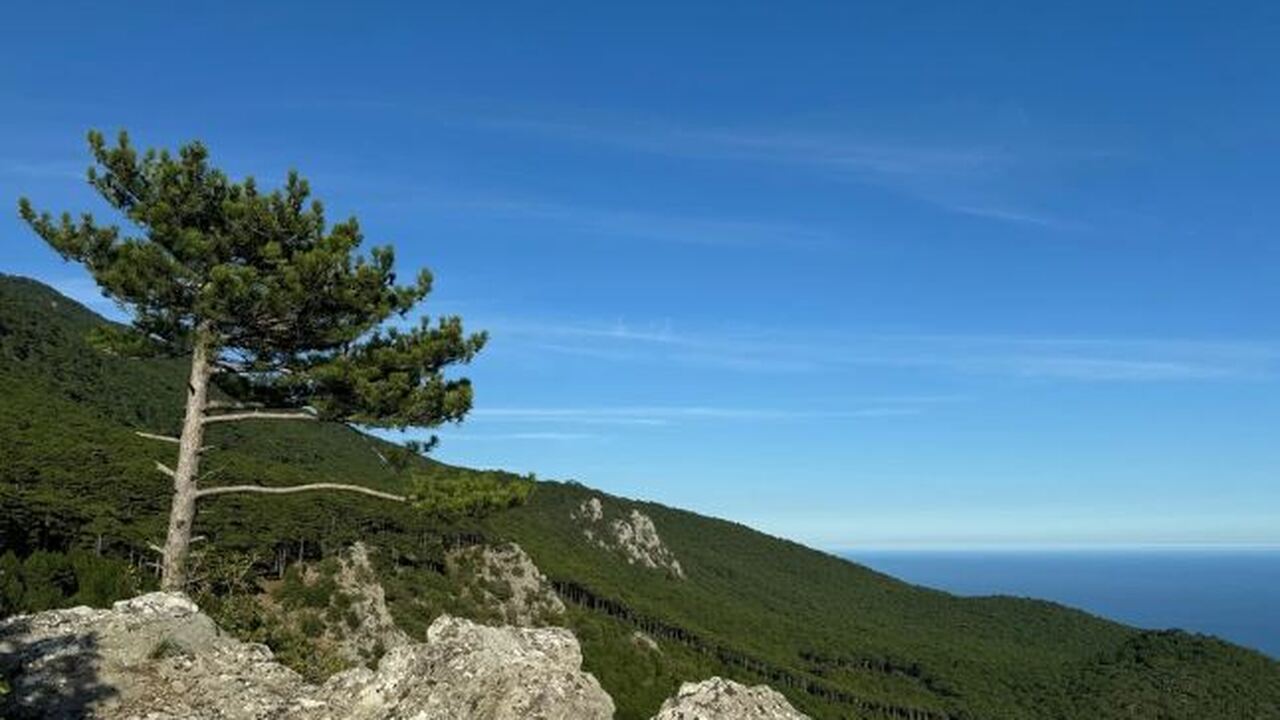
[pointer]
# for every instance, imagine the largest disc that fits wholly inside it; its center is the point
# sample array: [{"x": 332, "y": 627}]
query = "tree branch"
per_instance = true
[
  {"x": 260, "y": 415},
  {"x": 152, "y": 436},
  {"x": 221, "y": 405},
  {"x": 165, "y": 469},
  {"x": 167, "y": 438},
  {"x": 297, "y": 489}
]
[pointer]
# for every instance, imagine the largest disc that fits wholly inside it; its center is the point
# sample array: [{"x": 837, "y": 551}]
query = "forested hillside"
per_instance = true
[{"x": 82, "y": 507}]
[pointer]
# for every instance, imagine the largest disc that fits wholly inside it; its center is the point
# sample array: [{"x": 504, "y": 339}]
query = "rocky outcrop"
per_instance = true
[
  {"x": 469, "y": 671},
  {"x": 371, "y": 630},
  {"x": 720, "y": 699},
  {"x": 634, "y": 536},
  {"x": 637, "y": 538},
  {"x": 645, "y": 642},
  {"x": 155, "y": 656},
  {"x": 158, "y": 657},
  {"x": 590, "y": 511},
  {"x": 504, "y": 579}
]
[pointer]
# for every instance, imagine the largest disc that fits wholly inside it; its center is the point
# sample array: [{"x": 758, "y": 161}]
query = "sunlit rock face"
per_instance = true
[
  {"x": 633, "y": 536},
  {"x": 374, "y": 630},
  {"x": 470, "y": 672},
  {"x": 505, "y": 579}
]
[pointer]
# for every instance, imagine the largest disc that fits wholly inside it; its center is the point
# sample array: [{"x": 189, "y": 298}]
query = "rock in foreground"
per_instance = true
[
  {"x": 471, "y": 671},
  {"x": 719, "y": 699},
  {"x": 157, "y": 657}
]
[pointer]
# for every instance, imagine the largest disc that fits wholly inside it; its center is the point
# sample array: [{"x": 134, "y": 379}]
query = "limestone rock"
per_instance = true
[
  {"x": 638, "y": 539},
  {"x": 157, "y": 657},
  {"x": 634, "y": 536},
  {"x": 592, "y": 510},
  {"x": 472, "y": 672},
  {"x": 375, "y": 631},
  {"x": 720, "y": 699},
  {"x": 505, "y": 579},
  {"x": 645, "y": 642},
  {"x": 154, "y": 656}
]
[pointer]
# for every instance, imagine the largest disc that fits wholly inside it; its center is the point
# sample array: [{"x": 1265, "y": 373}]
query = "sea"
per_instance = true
[{"x": 1233, "y": 593}]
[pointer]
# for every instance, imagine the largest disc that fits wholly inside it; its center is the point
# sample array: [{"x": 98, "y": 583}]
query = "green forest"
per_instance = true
[{"x": 82, "y": 510}]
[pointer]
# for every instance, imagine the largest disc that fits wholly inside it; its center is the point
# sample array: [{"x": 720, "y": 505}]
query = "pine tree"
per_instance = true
[{"x": 273, "y": 306}]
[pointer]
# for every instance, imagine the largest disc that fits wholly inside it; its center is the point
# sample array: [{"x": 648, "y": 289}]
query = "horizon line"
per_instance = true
[{"x": 1031, "y": 547}]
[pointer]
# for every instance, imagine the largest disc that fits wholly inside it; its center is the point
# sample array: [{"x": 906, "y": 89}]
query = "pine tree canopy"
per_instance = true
[{"x": 292, "y": 314}]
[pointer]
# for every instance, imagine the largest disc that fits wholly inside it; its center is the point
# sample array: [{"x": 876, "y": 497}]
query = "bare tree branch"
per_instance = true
[
  {"x": 261, "y": 415},
  {"x": 297, "y": 489},
  {"x": 223, "y": 405},
  {"x": 167, "y": 438},
  {"x": 152, "y": 436},
  {"x": 165, "y": 469}
]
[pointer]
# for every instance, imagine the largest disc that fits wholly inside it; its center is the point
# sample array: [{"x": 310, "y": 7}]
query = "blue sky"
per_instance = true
[{"x": 909, "y": 275}]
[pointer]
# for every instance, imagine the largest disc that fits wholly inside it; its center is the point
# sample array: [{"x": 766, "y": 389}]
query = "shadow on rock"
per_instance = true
[{"x": 49, "y": 675}]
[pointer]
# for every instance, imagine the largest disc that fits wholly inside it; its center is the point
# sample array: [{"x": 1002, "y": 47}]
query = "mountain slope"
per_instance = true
[{"x": 838, "y": 639}]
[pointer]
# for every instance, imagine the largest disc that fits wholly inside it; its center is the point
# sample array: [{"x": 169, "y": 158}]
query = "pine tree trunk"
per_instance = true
[{"x": 182, "y": 513}]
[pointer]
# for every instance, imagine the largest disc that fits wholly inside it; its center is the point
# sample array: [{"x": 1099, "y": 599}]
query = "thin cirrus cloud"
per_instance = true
[
  {"x": 611, "y": 223},
  {"x": 969, "y": 180},
  {"x": 1013, "y": 216},
  {"x": 45, "y": 170},
  {"x": 819, "y": 149},
  {"x": 553, "y": 436},
  {"x": 1018, "y": 357},
  {"x": 670, "y": 415}
]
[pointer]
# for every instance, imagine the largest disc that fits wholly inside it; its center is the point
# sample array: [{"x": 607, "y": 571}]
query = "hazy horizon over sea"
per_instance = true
[{"x": 1230, "y": 592}]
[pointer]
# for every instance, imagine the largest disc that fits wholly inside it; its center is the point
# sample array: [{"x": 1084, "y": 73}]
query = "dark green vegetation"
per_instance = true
[{"x": 79, "y": 497}]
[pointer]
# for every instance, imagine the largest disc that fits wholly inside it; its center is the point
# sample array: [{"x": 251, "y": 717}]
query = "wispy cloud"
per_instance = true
[
  {"x": 668, "y": 415},
  {"x": 1119, "y": 369},
  {"x": 1014, "y": 216},
  {"x": 810, "y": 148},
  {"x": 611, "y": 223},
  {"x": 1026, "y": 357},
  {"x": 529, "y": 436},
  {"x": 54, "y": 170},
  {"x": 1092, "y": 359},
  {"x": 967, "y": 179}
]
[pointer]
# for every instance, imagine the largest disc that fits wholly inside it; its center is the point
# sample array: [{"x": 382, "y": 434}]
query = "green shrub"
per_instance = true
[
  {"x": 166, "y": 648},
  {"x": 10, "y": 584},
  {"x": 295, "y": 592},
  {"x": 311, "y": 624},
  {"x": 101, "y": 581},
  {"x": 474, "y": 494}
]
